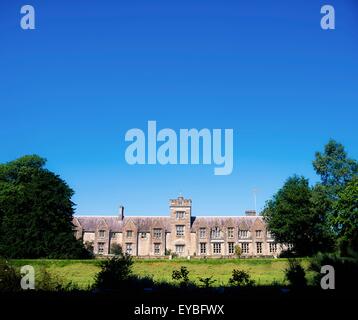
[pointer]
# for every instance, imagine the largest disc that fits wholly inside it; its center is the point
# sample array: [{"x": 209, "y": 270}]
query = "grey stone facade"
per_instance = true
[{"x": 179, "y": 233}]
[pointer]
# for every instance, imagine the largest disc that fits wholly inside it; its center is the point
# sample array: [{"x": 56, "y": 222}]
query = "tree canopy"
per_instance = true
[{"x": 36, "y": 212}]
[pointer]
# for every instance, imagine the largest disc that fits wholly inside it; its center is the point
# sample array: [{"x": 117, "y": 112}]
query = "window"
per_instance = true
[
  {"x": 258, "y": 247},
  {"x": 273, "y": 247},
  {"x": 156, "y": 248},
  {"x": 129, "y": 233},
  {"x": 180, "y": 231},
  {"x": 100, "y": 247},
  {"x": 258, "y": 233},
  {"x": 202, "y": 248},
  {"x": 114, "y": 235},
  {"x": 129, "y": 248},
  {"x": 230, "y": 232},
  {"x": 245, "y": 247},
  {"x": 269, "y": 235},
  {"x": 143, "y": 235},
  {"x": 215, "y": 233},
  {"x": 157, "y": 233},
  {"x": 101, "y": 233},
  {"x": 231, "y": 246},
  {"x": 243, "y": 234},
  {"x": 179, "y": 248},
  {"x": 217, "y": 248},
  {"x": 202, "y": 233},
  {"x": 180, "y": 215}
]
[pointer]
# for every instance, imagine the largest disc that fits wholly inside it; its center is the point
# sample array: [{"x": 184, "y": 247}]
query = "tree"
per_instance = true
[
  {"x": 334, "y": 167},
  {"x": 36, "y": 212},
  {"x": 116, "y": 249},
  {"x": 238, "y": 250},
  {"x": 181, "y": 275},
  {"x": 292, "y": 217},
  {"x": 345, "y": 220},
  {"x": 295, "y": 274}
]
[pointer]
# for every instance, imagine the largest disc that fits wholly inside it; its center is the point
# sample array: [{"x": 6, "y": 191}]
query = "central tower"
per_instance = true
[{"x": 180, "y": 218}]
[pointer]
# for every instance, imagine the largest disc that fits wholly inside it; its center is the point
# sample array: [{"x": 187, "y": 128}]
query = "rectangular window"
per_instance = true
[
  {"x": 180, "y": 215},
  {"x": 217, "y": 248},
  {"x": 245, "y": 247},
  {"x": 258, "y": 247},
  {"x": 243, "y": 234},
  {"x": 157, "y": 233},
  {"x": 143, "y": 235},
  {"x": 203, "y": 248},
  {"x": 269, "y": 235},
  {"x": 101, "y": 233},
  {"x": 100, "y": 247},
  {"x": 179, "y": 248},
  {"x": 114, "y": 235},
  {"x": 231, "y": 247},
  {"x": 156, "y": 248},
  {"x": 129, "y": 233},
  {"x": 129, "y": 248},
  {"x": 202, "y": 233},
  {"x": 180, "y": 231},
  {"x": 230, "y": 232},
  {"x": 258, "y": 233},
  {"x": 273, "y": 247}
]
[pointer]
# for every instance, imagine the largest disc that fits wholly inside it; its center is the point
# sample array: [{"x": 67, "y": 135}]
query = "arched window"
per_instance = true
[{"x": 215, "y": 233}]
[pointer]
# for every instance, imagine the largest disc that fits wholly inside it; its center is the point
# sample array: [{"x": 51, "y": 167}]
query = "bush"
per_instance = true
[
  {"x": 295, "y": 274},
  {"x": 207, "y": 282},
  {"x": 240, "y": 278},
  {"x": 9, "y": 277},
  {"x": 345, "y": 268},
  {"x": 238, "y": 251},
  {"x": 114, "y": 272},
  {"x": 181, "y": 275},
  {"x": 116, "y": 249}
]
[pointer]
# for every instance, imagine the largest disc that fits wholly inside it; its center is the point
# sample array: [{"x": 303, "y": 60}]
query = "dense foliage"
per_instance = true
[{"x": 36, "y": 212}]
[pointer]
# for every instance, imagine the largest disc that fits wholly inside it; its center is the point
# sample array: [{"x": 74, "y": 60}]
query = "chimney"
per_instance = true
[
  {"x": 250, "y": 213},
  {"x": 121, "y": 212}
]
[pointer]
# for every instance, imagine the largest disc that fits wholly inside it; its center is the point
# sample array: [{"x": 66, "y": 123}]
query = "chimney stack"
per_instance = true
[
  {"x": 121, "y": 212},
  {"x": 250, "y": 213}
]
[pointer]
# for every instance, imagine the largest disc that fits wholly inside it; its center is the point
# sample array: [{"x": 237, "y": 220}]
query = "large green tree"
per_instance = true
[
  {"x": 345, "y": 219},
  {"x": 293, "y": 218},
  {"x": 36, "y": 212}
]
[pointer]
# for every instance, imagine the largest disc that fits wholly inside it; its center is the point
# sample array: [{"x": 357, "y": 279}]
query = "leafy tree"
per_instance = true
[
  {"x": 335, "y": 168},
  {"x": 293, "y": 219},
  {"x": 240, "y": 278},
  {"x": 9, "y": 277},
  {"x": 345, "y": 219},
  {"x": 36, "y": 212}
]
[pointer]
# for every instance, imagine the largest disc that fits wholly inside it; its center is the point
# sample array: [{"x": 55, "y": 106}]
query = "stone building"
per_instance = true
[{"x": 179, "y": 233}]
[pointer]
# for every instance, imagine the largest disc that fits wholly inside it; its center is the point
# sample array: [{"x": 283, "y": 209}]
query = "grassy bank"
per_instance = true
[{"x": 82, "y": 272}]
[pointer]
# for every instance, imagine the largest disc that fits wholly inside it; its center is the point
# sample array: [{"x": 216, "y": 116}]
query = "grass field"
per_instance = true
[{"x": 82, "y": 272}]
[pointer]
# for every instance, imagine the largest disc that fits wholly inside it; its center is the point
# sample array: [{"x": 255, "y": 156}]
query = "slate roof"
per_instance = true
[{"x": 145, "y": 224}]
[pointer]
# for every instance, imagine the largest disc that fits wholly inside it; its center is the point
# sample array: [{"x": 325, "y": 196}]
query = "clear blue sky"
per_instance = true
[{"x": 92, "y": 70}]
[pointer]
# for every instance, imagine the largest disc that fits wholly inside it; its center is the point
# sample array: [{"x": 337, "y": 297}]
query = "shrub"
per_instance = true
[
  {"x": 207, "y": 282},
  {"x": 345, "y": 268},
  {"x": 240, "y": 278},
  {"x": 295, "y": 274},
  {"x": 9, "y": 277},
  {"x": 116, "y": 249},
  {"x": 114, "y": 272},
  {"x": 238, "y": 251},
  {"x": 182, "y": 275}
]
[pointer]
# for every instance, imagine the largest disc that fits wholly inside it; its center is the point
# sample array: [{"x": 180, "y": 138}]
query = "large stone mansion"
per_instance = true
[{"x": 179, "y": 233}]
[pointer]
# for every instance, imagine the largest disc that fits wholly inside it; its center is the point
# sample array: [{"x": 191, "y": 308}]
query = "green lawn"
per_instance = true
[{"x": 81, "y": 272}]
